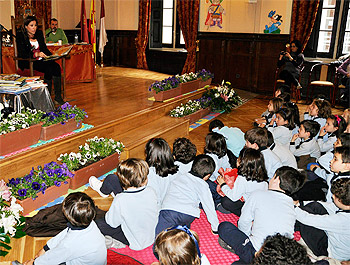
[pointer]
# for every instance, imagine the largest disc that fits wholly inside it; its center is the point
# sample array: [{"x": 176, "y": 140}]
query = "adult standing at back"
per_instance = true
[{"x": 54, "y": 33}]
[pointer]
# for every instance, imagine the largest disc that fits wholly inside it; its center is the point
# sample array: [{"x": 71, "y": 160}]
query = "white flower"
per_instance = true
[
  {"x": 217, "y": 95},
  {"x": 15, "y": 208},
  {"x": 8, "y": 224}
]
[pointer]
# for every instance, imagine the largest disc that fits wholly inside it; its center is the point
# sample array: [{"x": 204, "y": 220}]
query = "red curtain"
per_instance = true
[
  {"x": 143, "y": 32},
  {"x": 303, "y": 20},
  {"x": 188, "y": 12},
  {"x": 42, "y": 9}
]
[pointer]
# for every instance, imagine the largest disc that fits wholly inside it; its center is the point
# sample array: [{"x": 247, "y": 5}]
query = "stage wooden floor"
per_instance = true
[{"x": 117, "y": 93}]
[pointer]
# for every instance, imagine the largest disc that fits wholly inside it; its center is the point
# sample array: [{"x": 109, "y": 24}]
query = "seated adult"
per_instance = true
[
  {"x": 54, "y": 33},
  {"x": 292, "y": 61},
  {"x": 344, "y": 70},
  {"x": 31, "y": 44}
]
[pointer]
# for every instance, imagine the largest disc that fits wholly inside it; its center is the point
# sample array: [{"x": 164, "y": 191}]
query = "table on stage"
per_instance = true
[{"x": 80, "y": 64}]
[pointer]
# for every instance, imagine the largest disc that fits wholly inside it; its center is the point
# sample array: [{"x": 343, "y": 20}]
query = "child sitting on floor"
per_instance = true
[
  {"x": 303, "y": 144},
  {"x": 282, "y": 133},
  {"x": 184, "y": 151},
  {"x": 319, "y": 110},
  {"x": 251, "y": 176},
  {"x": 265, "y": 213},
  {"x": 274, "y": 105},
  {"x": 257, "y": 139},
  {"x": 324, "y": 228},
  {"x": 179, "y": 245},
  {"x": 81, "y": 242},
  {"x": 335, "y": 125},
  {"x": 133, "y": 215},
  {"x": 186, "y": 192}
]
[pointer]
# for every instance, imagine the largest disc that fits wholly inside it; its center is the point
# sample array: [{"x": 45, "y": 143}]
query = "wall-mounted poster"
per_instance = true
[
  {"x": 274, "y": 24},
  {"x": 215, "y": 12}
]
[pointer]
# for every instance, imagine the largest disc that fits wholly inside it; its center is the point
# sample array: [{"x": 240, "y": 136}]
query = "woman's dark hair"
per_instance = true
[
  {"x": 215, "y": 143},
  {"x": 295, "y": 110},
  {"x": 252, "y": 165},
  {"x": 298, "y": 44},
  {"x": 287, "y": 115},
  {"x": 79, "y": 209},
  {"x": 338, "y": 121},
  {"x": 26, "y": 22},
  {"x": 159, "y": 156}
]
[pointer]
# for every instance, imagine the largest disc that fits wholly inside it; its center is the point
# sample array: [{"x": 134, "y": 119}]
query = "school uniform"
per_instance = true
[
  {"x": 184, "y": 168},
  {"x": 281, "y": 134},
  {"x": 321, "y": 121},
  {"x": 234, "y": 138},
  {"x": 75, "y": 246},
  {"x": 284, "y": 154},
  {"x": 159, "y": 184},
  {"x": 222, "y": 162},
  {"x": 272, "y": 162},
  {"x": 324, "y": 161},
  {"x": 331, "y": 178},
  {"x": 305, "y": 147},
  {"x": 335, "y": 225},
  {"x": 326, "y": 142},
  {"x": 135, "y": 212},
  {"x": 265, "y": 213},
  {"x": 182, "y": 202}
]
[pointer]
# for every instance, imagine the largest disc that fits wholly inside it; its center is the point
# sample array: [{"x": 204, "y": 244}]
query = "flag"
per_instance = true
[
  {"x": 92, "y": 27},
  {"x": 83, "y": 24},
  {"x": 103, "y": 34}
]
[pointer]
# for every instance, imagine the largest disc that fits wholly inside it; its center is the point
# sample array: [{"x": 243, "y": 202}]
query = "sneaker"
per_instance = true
[
  {"x": 113, "y": 243},
  {"x": 221, "y": 209},
  {"x": 96, "y": 185},
  {"x": 224, "y": 245}
]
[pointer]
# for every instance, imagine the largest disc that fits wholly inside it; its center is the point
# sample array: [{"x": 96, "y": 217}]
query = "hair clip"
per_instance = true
[
  {"x": 187, "y": 231},
  {"x": 338, "y": 119}
]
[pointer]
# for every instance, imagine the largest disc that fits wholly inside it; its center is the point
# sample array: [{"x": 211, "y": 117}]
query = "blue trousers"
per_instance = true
[
  {"x": 111, "y": 184},
  {"x": 169, "y": 218},
  {"x": 239, "y": 241}
]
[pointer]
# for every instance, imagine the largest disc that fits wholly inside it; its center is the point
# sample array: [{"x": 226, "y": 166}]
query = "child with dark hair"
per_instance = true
[
  {"x": 274, "y": 105},
  {"x": 179, "y": 245},
  {"x": 184, "y": 151},
  {"x": 282, "y": 152},
  {"x": 181, "y": 203},
  {"x": 285, "y": 97},
  {"x": 234, "y": 136},
  {"x": 257, "y": 139},
  {"x": 81, "y": 242},
  {"x": 319, "y": 110},
  {"x": 265, "y": 213},
  {"x": 282, "y": 89},
  {"x": 251, "y": 176},
  {"x": 282, "y": 133},
  {"x": 335, "y": 125},
  {"x": 303, "y": 144},
  {"x": 295, "y": 115},
  {"x": 324, "y": 228},
  {"x": 122, "y": 221},
  {"x": 281, "y": 250},
  {"x": 162, "y": 167}
]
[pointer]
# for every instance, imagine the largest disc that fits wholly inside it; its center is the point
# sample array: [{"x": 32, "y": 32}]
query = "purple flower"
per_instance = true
[
  {"x": 57, "y": 183},
  {"x": 36, "y": 186},
  {"x": 22, "y": 192}
]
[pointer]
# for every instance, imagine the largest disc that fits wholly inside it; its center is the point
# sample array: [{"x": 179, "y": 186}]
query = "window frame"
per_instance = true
[{"x": 342, "y": 31}]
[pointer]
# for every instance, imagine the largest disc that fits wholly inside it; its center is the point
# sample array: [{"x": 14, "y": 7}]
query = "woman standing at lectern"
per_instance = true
[{"x": 31, "y": 44}]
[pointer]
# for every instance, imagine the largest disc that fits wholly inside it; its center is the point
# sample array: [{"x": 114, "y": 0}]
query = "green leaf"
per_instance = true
[
  {"x": 5, "y": 246},
  {"x": 19, "y": 233},
  {"x": 5, "y": 238},
  {"x": 3, "y": 253}
]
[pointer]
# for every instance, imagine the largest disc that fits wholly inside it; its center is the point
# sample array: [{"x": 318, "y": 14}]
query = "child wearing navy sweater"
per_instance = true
[
  {"x": 133, "y": 215},
  {"x": 81, "y": 243},
  {"x": 181, "y": 203},
  {"x": 265, "y": 213}
]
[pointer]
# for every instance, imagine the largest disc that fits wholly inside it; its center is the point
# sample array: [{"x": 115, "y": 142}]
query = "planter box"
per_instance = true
[
  {"x": 189, "y": 86},
  {"x": 51, "y": 193},
  {"x": 81, "y": 176},
  {"x": 197, "y": 115},
  {"x": 19, "y": 139},
  {"x": 58, "y": 129},
  {"x": 164, "y": 95},
  {"x": 204, "y": 83}
]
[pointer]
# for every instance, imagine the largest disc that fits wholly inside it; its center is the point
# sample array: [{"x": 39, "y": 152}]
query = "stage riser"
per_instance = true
[{"x": 122, "y": 129}]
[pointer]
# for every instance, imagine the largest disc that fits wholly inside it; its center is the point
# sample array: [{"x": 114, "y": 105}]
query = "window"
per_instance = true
[
  {"x": 331, "y": 35},
  {"x": 165, "y": 28}
]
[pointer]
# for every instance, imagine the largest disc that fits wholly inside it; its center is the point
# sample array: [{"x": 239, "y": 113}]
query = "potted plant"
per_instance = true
[
  {"x": 64, "y": 119},
  {"x": 20, "y": 130},
  {"x": 165, "y": 89},
  {"x": 11, "y": 222},
  {"x": 41, "y": 185},
  {"x": 192, "y": 110},
  {"x": 188, "y": 82},
  {"x": 205, "y": 77},
  {"x": 222, "y": 98},
  {"x": 96, "y": 157}
]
